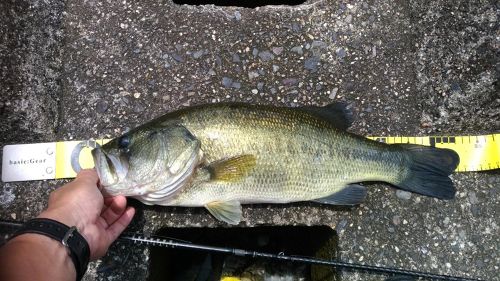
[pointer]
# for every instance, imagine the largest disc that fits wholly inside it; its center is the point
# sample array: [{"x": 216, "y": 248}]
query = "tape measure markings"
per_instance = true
[{"x": 477, "y": 153}]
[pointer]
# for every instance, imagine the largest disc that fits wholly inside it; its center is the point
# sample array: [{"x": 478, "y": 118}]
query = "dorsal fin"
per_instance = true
[{"x": 337, "y": 113}]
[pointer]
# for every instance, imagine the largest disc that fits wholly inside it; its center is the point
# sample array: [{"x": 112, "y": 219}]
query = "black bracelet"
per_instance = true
[{"x": 78, "y": 247}]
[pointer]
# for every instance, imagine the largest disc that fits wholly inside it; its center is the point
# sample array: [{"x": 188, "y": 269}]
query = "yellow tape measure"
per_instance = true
[
  {"x": 65, "y": 155},
  {"x": 477, "y": 153},
  {"x": 58, "y": 160}
]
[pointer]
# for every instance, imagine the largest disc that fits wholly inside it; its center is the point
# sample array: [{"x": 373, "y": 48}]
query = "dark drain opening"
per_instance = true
[
  {"x": 245, "y": 4},
  {"x": 177, "y": 264}
]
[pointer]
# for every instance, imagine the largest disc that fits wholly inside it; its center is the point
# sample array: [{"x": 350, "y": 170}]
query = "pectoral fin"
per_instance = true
[
  {"x": 228, "y": 211},
  {"x": 232, "y": 169},
  {"x": 352, "y": 194}
]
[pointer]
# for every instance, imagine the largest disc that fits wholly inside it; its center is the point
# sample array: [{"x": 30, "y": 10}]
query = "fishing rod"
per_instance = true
[
  {"x": 169, "y": 243},
  {"x": 165, "y": 242}
]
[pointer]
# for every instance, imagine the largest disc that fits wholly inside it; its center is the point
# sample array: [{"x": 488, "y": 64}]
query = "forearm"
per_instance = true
[{"x": 35, "y": 257}]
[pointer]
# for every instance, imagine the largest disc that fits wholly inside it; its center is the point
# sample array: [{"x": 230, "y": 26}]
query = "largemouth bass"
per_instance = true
[{"x": 220, "y": 156}]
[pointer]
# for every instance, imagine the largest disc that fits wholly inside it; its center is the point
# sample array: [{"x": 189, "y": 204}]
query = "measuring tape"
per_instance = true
[
  {"x": 477, "y": 153},
  {"x": 58, "y": 160}
]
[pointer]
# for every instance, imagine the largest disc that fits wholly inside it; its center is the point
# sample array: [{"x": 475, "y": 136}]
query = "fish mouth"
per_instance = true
[{"x": 109, "y": 168}]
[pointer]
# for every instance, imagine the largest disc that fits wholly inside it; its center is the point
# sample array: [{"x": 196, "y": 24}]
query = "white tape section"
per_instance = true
[{"x": 25, "y": 162}]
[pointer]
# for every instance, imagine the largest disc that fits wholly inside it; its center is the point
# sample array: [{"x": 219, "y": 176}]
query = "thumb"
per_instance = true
[{"x": 88, "y": 176}]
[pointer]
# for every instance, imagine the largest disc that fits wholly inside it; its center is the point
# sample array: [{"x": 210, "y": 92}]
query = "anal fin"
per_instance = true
[
  {"x": 352, "y": 194},
  {"x": 226, "y": 211}
]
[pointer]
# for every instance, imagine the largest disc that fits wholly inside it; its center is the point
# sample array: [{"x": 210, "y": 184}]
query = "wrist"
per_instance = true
[
  {"x": 30, "y": 247},
  {"x": 66, "y": 218},
  {"x": 74, "y": 244}
]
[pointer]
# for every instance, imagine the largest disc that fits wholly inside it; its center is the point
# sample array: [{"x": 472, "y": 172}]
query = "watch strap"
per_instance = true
[{"x": 79, "y": 250}]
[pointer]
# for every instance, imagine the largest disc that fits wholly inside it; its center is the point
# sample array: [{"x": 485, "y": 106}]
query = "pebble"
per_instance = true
[
  {"x": 290, "y": 81},
  {"x": 13, "y": 216},
  {"x": 237, "y": 15},
  {"x": 198, "y": 54},
  {"x": 312, "y": 63},
  {"x": 266, "y": 56},
  {"x": 341, "y": 225},
  {"x": 298, "y": 50},
  {"x": 253, "y": 74},
  {"x": 255, "y": 52},
  {"x": 177, "y": 57},
  {"x": 236, "y": 58},
  {"x": 137, "y": 95},
  {"x": 236, "y": 85},
  {"x": 455, "y": 87},
  {"x": 340, "y": 53},
  {"x": 318, "y": 44},
  {"x": 255, "y": 91},
  {"x": 475, "y": 210},
  {"x": 396, "y": 220},
  {"x": 275, "y": 68},
  {"x": 138, "y": 108},
  {"x": 333, "y": 93},
  {"x": 348, "y": 19},
  {"x": 404, "y": 195},
  {"x": 227, "y": 82},
  {"x": 473, "y": 198},
  {"x": 278, "y": 50},
  {"x": 101, "y": 106},
  {"x": 260, "y": 86}
]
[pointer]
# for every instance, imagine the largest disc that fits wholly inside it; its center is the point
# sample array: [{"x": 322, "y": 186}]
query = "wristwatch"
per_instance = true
[{"x": 77, "y": 245}]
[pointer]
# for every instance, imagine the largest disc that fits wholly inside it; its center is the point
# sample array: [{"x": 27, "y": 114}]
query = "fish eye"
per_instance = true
[{"x": 123, "y": 142}]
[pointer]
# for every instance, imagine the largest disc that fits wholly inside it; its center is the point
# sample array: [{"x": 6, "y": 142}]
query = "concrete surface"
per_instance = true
[{"x": 79, "y": 69}]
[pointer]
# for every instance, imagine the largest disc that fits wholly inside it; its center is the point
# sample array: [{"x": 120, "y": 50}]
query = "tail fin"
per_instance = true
[{"x": 429, "y": 171}]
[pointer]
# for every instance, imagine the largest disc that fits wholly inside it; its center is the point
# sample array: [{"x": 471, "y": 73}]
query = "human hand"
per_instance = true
[{"x": 99, "y": 220}]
